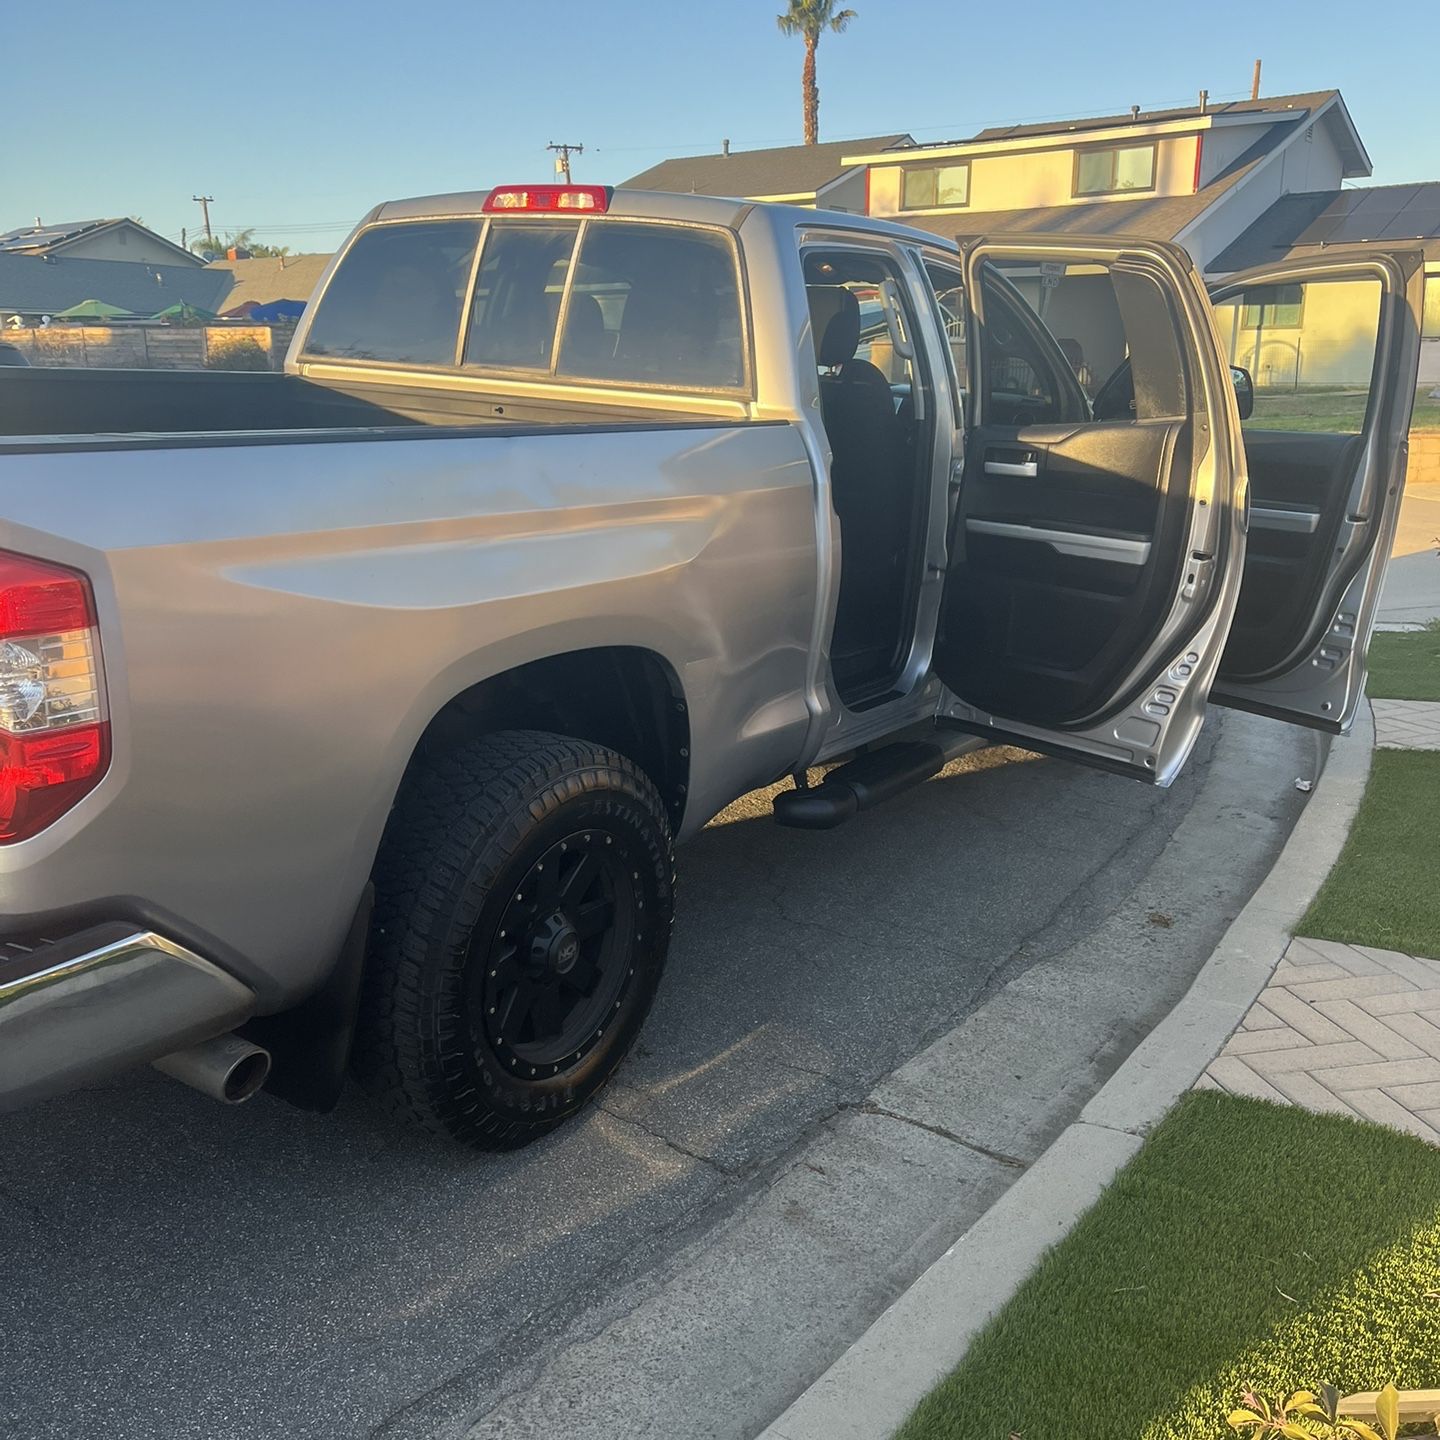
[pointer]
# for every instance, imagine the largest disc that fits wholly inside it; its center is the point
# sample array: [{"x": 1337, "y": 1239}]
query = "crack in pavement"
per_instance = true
[{"x": 1013, "y": 1162}]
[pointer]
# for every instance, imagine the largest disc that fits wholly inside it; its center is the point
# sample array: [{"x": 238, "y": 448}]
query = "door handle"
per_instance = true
[{"x": 1021, "y": 469}]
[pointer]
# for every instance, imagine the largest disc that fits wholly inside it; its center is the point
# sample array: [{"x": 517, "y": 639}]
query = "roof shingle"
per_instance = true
[
  {"x": 788, "y": 170},
  {"x": 34, "y": 284}
]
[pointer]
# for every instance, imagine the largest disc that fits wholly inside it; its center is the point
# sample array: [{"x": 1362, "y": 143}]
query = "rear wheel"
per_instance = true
[{"x": 524, "y": 895}]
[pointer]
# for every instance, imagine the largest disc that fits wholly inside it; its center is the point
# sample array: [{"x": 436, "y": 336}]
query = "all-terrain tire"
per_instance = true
[{"x": 524, "y": 897}]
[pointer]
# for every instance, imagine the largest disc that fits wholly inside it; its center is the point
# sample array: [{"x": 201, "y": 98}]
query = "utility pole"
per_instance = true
[
  {"x": 1255, "y": 83},
  {"x": 562, "y": 162},
  {"x": 204, "y": 202}
]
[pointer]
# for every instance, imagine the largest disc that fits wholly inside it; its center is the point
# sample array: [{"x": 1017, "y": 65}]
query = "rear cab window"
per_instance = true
[
  {"x": 610, "y": 302},
  {"x": 398, "y": 295}
]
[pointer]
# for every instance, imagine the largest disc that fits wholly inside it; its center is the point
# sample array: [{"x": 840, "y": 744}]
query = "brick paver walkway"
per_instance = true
[
  {"x": 1407, "y": 724},
  {"x": 1346, "y": 1029}
]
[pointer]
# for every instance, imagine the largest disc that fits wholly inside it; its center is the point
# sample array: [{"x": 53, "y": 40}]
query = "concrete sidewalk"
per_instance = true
[{"x": 1412, "y": 580}]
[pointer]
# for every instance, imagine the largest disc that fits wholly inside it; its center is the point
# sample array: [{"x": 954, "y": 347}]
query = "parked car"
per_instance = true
[
  {"x": 12, "y": 354},
  {"x": 354, "y": 712}
]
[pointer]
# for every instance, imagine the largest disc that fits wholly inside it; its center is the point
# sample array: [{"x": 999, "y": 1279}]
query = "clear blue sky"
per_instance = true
[{"x": 299, "y": 115}]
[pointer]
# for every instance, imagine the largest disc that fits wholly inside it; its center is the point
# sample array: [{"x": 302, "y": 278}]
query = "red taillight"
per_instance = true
[
  {"x": 36, "y": 597},
  {"x": 548, "y": 199},
  {"x": 54, "y": 739},
  {"x": 44, "y": 776}
]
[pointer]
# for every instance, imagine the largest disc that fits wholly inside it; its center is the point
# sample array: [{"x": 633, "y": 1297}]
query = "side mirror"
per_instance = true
[{"x": 1244, "y": 390}]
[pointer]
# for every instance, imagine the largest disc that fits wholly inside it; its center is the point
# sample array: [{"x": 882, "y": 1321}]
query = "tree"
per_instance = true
[
  {"x": 238, "y": 240},
  {"x": 810, "y": 19}
]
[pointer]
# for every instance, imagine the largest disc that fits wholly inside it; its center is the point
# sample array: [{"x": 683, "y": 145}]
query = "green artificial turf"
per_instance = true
[
  {"x": 1405, "y": 665},
  {"x": 1246, "y": 1244},
  {"x": 1385, "y": 888}
]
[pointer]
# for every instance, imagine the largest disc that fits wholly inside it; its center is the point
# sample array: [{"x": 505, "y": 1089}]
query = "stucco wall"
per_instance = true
[{"x": 1019, "y": 180}]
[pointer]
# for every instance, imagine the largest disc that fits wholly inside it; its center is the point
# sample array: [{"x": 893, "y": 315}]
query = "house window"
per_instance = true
[
  {"x": 1114, "y": 169},
  {"x": 1272, "y": 307},
  {"x": 935, "y": 187}
]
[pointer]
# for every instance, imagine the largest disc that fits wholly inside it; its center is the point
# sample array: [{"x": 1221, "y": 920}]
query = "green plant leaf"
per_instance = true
[
  {"x": 1359, "y": 1429},
  {"x": 1387, "y": 1410},
  {"x": 1239, "y": 1419},
  {"x": 1330, "y": 1398},
  {"x": 1296, "y": 1432}
]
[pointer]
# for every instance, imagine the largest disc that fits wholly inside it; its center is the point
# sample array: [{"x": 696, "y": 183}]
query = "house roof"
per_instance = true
[
  {"x": 1336, "y": 219},
  {"x": 266, "y": 280},
  {"x": 1148, "y": 217},
  {"x": 36, "y": 284},
  {"x": 788, "y": 170},
  {"x": 55, "y": 238},
  {"x": 1283, "y": 112},
  {"x": 1267, "y": 105}
]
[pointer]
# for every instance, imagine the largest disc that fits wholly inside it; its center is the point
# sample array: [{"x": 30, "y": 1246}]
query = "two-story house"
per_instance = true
[{"x": 1237, "y": 184}]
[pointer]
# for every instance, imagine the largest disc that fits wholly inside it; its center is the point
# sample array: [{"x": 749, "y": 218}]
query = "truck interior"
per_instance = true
[
  {"x": 1069, "y": 542},
  {"x": 1300, "y": 478},
  {"x": 878, "y": 425}
]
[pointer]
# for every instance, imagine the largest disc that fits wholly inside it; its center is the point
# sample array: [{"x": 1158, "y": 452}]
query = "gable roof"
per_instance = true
[
  {"x": 1267, "y": 105},
  {"x": 264, "y": 281},
  {"x": 35, "y": 284},
  {"x": 54, "y": 239},
  {"x": 1335, "y": 219},
  {"x": 788, "y": 170},
  {"x": 1148, "y": 217}
]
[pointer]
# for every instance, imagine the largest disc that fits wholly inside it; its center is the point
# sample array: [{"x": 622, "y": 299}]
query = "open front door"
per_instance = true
[
  {"x": 1333, "y": 345},
  {"x": 1096, "y": 542}
]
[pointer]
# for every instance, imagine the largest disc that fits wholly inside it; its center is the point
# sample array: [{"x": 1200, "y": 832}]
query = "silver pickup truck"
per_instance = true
[{"x": 349, "y": 715}]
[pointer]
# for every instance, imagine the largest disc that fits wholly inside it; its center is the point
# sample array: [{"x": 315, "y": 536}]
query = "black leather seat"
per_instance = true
[{"x": 869, "y": 494}]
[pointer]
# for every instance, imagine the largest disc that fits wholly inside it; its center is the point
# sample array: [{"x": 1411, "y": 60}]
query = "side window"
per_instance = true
[
  {"x": 517, "y": 294},
  {"x": 1310, "y": 351},
  {"x": 848, "y": 319},
  {"x": 1069, "y": 342},
  {"x": 654, "y": 305},
  {"x": 397, "y": 295}
]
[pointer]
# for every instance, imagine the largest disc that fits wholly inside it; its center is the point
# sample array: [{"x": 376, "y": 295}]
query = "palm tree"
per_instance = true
[{"x": 810, "y": 19}]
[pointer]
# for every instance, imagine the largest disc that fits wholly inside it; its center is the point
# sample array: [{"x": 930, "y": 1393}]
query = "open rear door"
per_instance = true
[
  {"x": 1333, "y": 345},
  {"x": 1096, "y": 544}
]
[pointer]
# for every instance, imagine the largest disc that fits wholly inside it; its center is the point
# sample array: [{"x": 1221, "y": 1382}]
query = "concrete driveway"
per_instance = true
[
  {"x": 1412, "y": 579},
  {"x": 177, "y": 1269}
]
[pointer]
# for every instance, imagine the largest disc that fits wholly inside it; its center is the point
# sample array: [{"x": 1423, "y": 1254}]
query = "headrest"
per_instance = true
[{"x": 835, "y": 319}]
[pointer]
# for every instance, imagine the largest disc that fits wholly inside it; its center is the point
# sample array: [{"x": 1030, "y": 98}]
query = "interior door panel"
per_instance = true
[
  {"x": 1094, "y": 562},
  {"x": 1298, "y": 486},
  {"x": 1338, "y": 333},
  {"x": 1061, "y": 566}
]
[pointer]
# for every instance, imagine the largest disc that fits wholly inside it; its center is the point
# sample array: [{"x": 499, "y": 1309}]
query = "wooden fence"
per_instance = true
[{"x": 153, "y": 347}]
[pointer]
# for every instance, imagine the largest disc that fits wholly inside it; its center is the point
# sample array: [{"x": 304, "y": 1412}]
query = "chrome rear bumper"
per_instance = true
[{"x": 75, "y": 1010}]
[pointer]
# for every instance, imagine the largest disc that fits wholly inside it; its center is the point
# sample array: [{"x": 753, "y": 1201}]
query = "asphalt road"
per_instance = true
[{"x": 174, "y": 1268}]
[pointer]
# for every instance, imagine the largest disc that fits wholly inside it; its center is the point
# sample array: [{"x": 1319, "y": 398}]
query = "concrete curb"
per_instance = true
[{"x": 871, "y": 1389}]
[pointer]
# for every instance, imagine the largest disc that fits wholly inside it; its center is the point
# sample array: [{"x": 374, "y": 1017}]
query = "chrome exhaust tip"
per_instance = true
[{"x": 227, "y": 1068}]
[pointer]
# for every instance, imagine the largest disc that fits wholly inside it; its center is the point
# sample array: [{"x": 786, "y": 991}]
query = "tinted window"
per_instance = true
[
  {"x": 397, "y": 295},
  {"x": 1126, "y": 167},
  {"x": 517, "y": 295},
  {"x": 656, "y": 305},
  {"x": 1310, "y": 351},
  {"x": 935, "y": 187}
]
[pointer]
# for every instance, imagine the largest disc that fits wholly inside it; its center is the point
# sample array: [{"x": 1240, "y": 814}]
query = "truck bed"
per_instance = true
[{"x": 161, "y": 406}]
